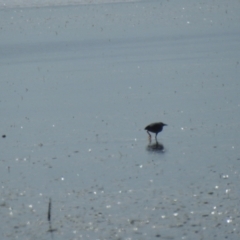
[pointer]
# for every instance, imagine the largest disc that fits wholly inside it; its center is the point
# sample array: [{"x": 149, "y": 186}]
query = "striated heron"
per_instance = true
[{"x": 155, "y": 128}]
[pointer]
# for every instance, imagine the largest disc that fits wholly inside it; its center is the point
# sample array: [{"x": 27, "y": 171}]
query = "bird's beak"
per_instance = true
[{"x": 164, "y": 124}]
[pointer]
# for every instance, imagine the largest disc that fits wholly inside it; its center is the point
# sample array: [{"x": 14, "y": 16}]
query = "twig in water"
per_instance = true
[
  {"x": 49, "y": 209},
  {"x": 49, "y": 217}
]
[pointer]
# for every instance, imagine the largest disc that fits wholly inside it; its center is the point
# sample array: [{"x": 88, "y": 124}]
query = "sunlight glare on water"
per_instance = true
[{"x": 80, "y": 80}]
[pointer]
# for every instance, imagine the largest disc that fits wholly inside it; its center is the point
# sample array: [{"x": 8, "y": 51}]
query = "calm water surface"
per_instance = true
[{"x": 78, "y": 86}]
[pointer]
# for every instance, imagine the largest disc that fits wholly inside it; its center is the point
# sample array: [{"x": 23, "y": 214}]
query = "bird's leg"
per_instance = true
[
  {"x": 149, "y": 137},
  {"x": 156, "y": 137}
]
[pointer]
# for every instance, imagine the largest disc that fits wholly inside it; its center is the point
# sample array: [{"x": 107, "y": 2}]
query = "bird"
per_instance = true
[{"x": 155, "y": 128}]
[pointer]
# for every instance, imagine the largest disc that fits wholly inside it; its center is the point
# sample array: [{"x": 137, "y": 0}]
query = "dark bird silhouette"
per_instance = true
[{"x": 155, "y": 128}]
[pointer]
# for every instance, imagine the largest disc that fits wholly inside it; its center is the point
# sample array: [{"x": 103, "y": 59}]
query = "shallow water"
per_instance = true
[{"x": 78, "y": 86}]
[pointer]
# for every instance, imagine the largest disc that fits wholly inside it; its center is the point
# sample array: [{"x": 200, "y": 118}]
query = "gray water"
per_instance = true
[{"x": 78, "y": 86}]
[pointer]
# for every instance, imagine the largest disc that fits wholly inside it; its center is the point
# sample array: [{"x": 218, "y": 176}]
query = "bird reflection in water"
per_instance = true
[{"x": 155, "y": 147}]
